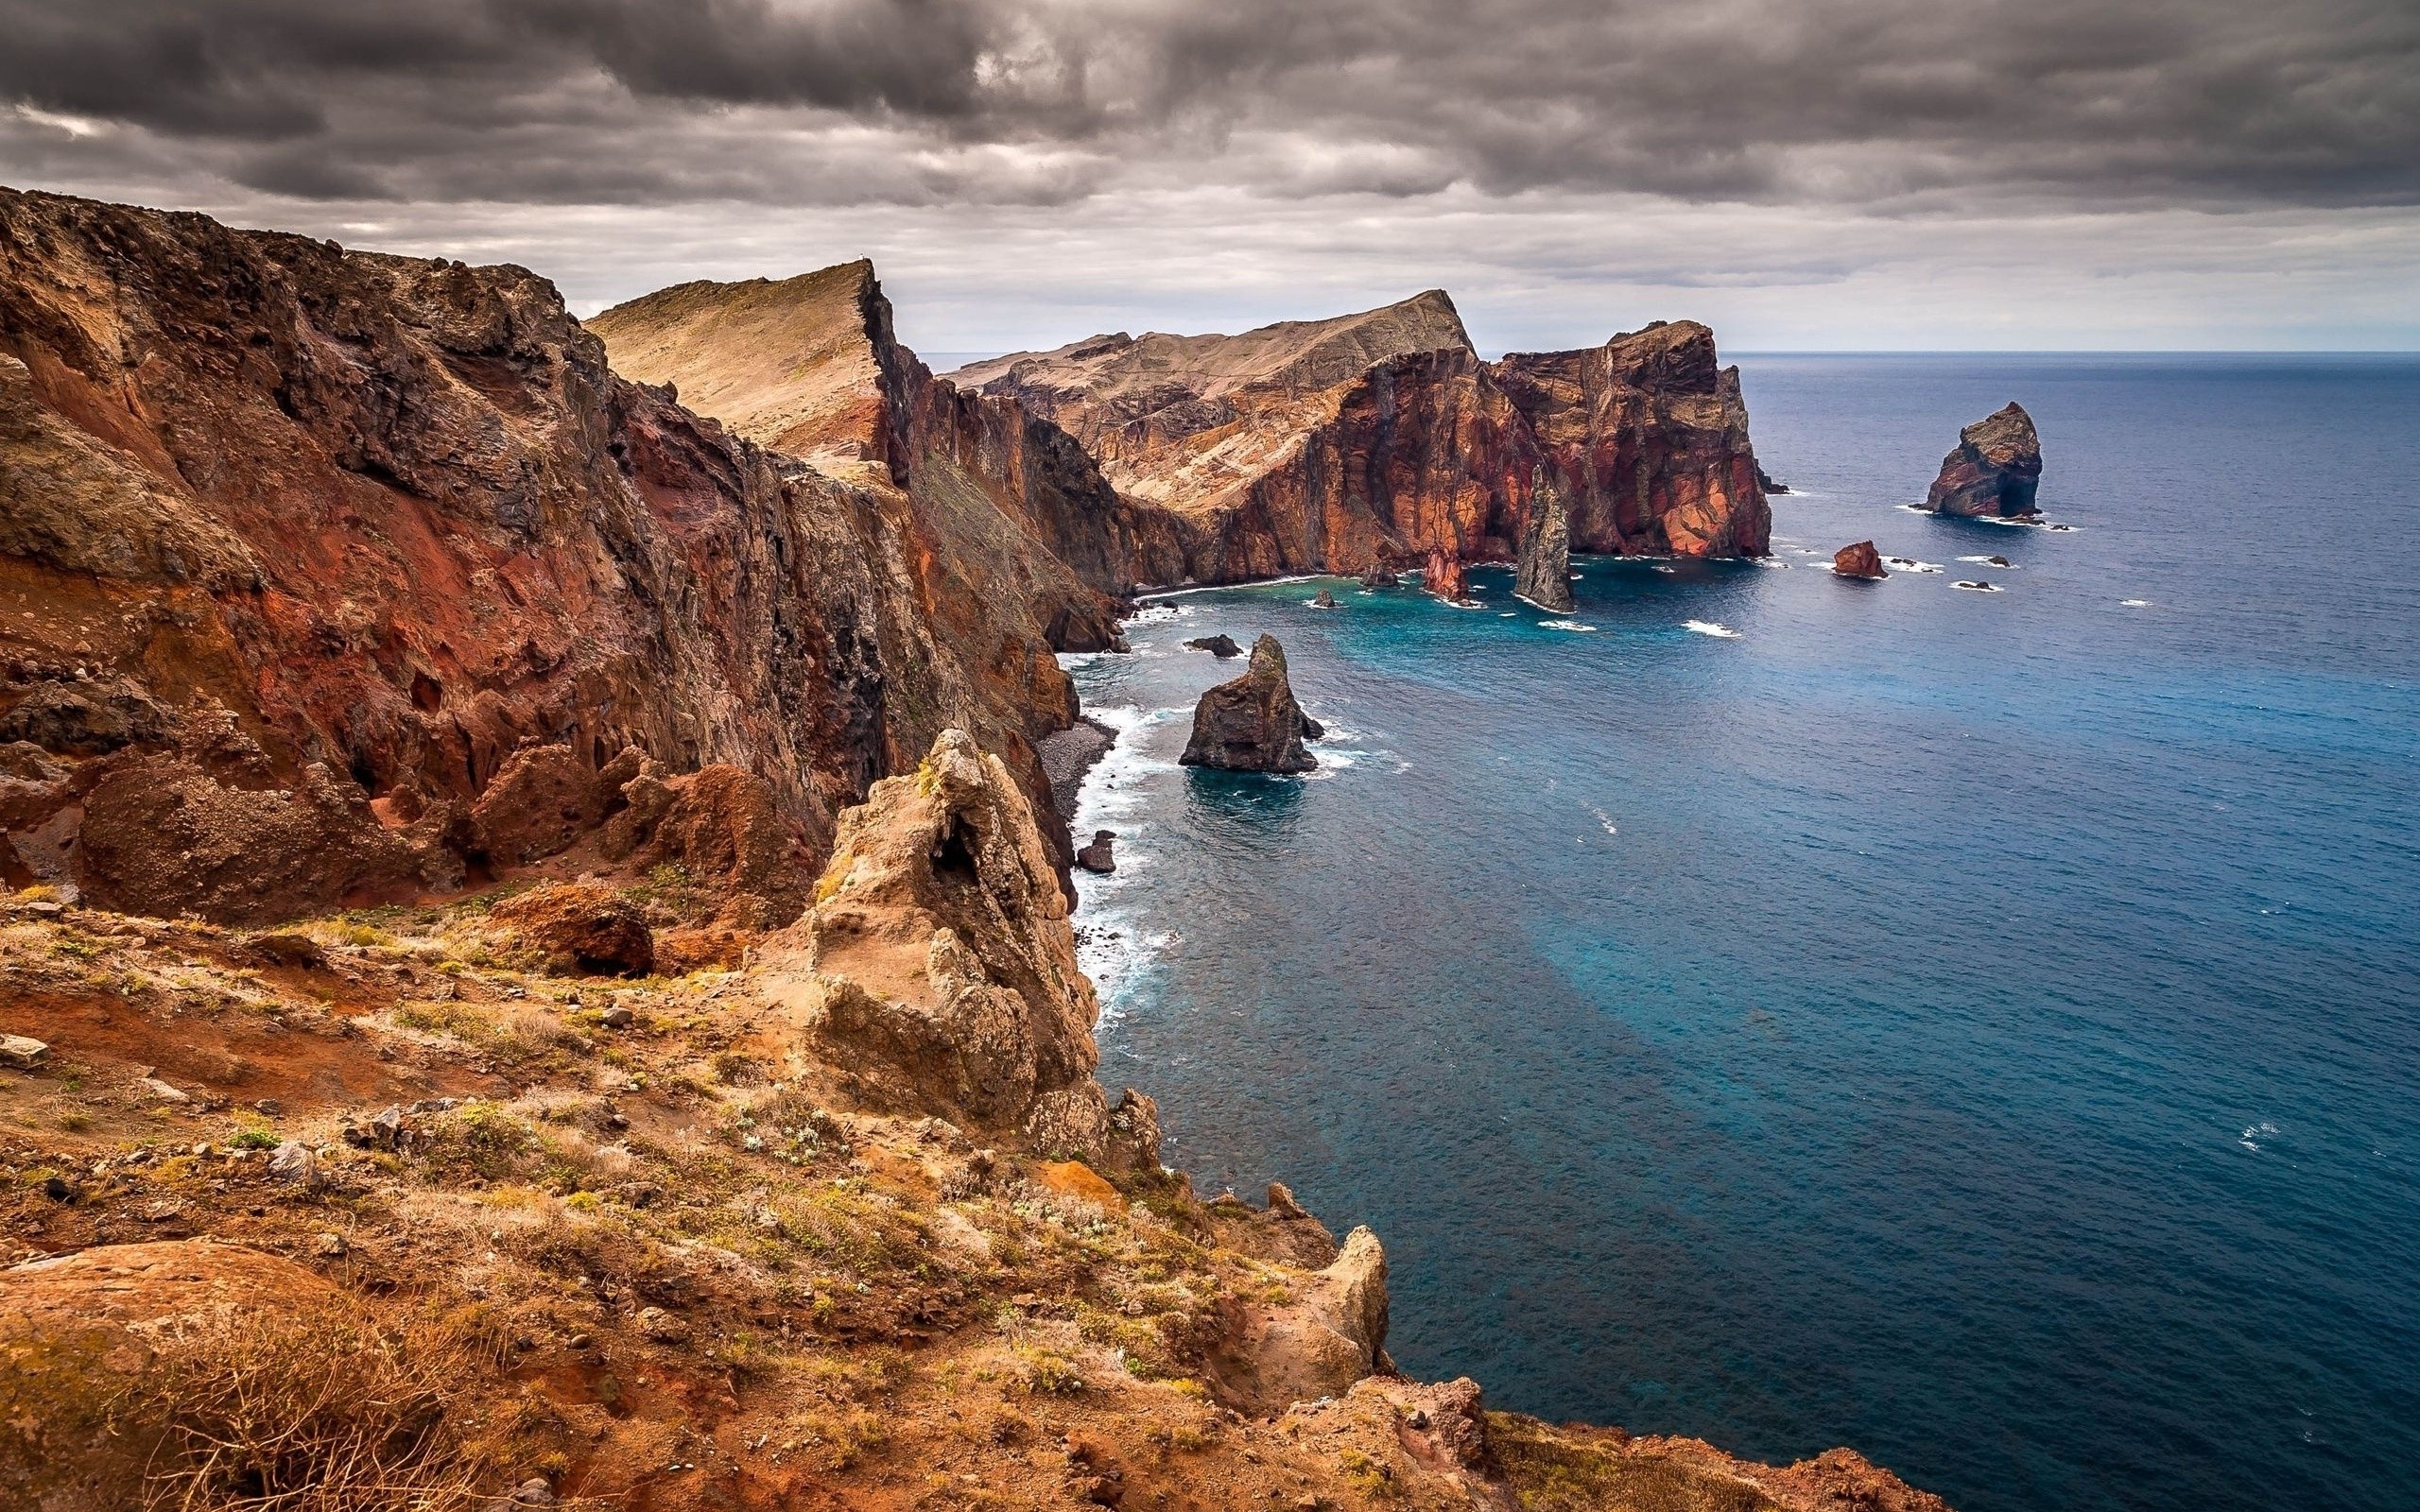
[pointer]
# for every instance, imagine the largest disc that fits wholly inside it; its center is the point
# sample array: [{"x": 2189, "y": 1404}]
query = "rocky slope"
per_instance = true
[
  {"x": 810, "y": 367},
  {"x": 378, "y": 1208},
  {"x": 327, "y": 577},
  {"x": 1994, "y": 471},
  {"x": 1381, "y": 440}
]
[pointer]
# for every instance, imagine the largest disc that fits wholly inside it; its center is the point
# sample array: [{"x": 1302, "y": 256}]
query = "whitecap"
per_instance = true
[
  {"x": 1563, "y": 625},
  {"x": 1507, "y": 615},
  {"x": 1992, "y": 562},
  {"x": 1910, "y": 564},
  {"x": 1710, "y": 628},
  {"x": 1663, "y": 569},
  {"x": 1978, "y": 587},
  {"x": 2134, "y": 603},
  {"x": 1603, "y": 819}
]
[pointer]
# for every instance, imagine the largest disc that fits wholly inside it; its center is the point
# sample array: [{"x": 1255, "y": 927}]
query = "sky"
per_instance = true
[{"x": 1827, "y": 175}]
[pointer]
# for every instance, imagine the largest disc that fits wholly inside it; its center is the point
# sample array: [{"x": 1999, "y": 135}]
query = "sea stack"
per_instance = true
[
  {"x": 1444, "y": 576},
  {"x": 1995, "y": 471},
  {"x": 1252, "y": 723},
  {"x": 1542, "y": 574},
  {"x": 1859, "y": 560}
]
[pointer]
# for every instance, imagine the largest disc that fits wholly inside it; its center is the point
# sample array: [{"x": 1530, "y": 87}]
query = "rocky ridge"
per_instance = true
[
  {"x": 1376, "y": 441},
  {"x": 332, "y": 577}
]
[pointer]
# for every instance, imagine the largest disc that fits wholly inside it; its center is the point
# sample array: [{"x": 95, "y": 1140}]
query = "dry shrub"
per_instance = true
[{"x": 312, "y": 1411}]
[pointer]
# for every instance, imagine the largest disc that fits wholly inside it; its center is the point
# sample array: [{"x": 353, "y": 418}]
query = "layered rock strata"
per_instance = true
[
  {"x": 1372, "y": 442},
  {"x": 303, "y": 549},
  {"x": 1995, "y": 469},
  {"x": 1252, "y": 723}
]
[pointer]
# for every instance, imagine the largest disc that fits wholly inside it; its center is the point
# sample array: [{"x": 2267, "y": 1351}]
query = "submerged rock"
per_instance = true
[
  {"x": 1859, "y": 560},
  {"x": 1252, "y": 723},
  {"x": 1995, "y": 469},
  {"x": 1222, "y": 646}
]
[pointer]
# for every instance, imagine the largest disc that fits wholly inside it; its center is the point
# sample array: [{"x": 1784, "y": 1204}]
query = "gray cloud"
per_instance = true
[{"x": 1894, "y": 105}]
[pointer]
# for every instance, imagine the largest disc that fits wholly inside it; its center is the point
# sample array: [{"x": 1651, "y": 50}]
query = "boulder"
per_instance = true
[
  {"x": 1859, "y": 560},
  {"x": 1995, "y": 469},
  {"x": 1323, "y": 599},
  {"x": 582, "y": 927},
  {"x": 1222, "y": 646},
  {"x": 1251, "y": 724},
  {"x": 1097, "y": 856}
]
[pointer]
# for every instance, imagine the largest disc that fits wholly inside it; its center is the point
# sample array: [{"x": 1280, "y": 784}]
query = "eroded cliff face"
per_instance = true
[
  {"x": 1008, "y": 507},
  {"x": 299, "y": 547},
  {"x": 1376, "y": 441}
]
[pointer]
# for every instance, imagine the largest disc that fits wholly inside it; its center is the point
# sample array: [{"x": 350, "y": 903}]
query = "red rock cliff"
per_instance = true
[
  {"x": 1378, "y": 439},
  {"x": 300, "y": 548}
]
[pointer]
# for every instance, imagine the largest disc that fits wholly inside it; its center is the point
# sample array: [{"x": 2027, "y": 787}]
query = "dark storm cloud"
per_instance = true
[{"x": 1877, "y": 103}]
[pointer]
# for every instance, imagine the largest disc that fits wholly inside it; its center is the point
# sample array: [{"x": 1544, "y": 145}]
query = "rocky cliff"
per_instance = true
[
  {"x": 1377, "y": 439},
  {"x": 1994, "y": 471},
  {"x": 304, "y": 551}
]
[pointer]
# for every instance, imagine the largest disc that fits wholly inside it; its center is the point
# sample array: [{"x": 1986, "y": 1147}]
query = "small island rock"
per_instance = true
[
  {"x": 1995, "y": 471},
  {"x": 1325, "y": 601},
  {"x": 1252, "y": 723},
  {"x": 1859, "y": 560},
  {"x": 1097, "y": 856},
  {"x": 1222, "y": 646}
]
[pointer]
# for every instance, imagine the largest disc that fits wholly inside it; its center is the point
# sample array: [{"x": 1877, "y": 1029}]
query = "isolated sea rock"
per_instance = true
[
  {"x": 1098, "y": 856},
  {"x": 1995, "y": 471},
  {"x": 1859, "y": 560},
  {"x": 1543, "y": 571},
  {"x": 1219, "y": 646},
  {"x": 1323, "y": 599},
  {"x": 1252, "y": 723}
]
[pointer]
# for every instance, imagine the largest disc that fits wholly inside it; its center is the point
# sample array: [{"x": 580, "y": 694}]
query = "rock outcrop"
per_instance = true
[
  {"x": 1861, "y": 560},
  {"x": 1995, "y": 469},
  {"x": 1252, "y": 723},
  {"x": 1542, "y": 572},
  {"x": 1317, "y": 1343},
  {"x": 1101, "y": 855},
  {"x": 1442, "y": 576},
  {"x": 1370, "y": 441},
  {"x": 1221, "y": 645},
  {"x": 937, "y": 972},
  {"x": 309, "y": 546}
]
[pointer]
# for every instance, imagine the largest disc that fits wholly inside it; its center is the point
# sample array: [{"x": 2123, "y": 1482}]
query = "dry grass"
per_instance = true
[{"x": 316, "y": 1410}]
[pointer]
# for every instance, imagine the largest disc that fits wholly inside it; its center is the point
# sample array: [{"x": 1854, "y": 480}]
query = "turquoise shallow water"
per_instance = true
[{"x": 1981, "y": 1028}]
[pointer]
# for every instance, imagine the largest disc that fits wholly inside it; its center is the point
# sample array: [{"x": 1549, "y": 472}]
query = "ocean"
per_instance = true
[{"x": 1979, "y": 1028}]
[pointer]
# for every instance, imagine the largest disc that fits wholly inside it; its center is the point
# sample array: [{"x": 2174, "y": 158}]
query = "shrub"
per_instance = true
[{"x": 316, "y": 1410}]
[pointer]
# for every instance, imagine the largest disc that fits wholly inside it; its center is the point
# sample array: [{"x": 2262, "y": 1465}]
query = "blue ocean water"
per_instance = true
[{"x": 1980, "y": 1028}]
